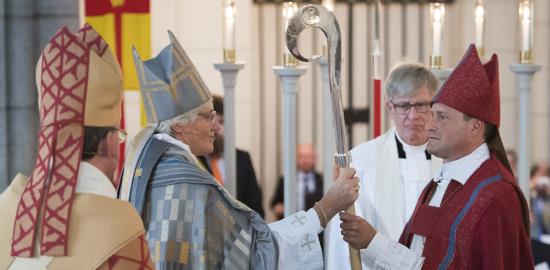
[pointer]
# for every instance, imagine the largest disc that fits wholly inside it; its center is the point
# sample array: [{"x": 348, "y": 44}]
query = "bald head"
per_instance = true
[{"x": 305, "y": 157}]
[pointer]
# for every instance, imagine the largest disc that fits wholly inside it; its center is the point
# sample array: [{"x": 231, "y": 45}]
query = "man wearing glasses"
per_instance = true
[
  {"x": 192, "y": 222},
  {"x": 393, "y": 168},
  {"x": 473, "y": 215},
  {"x": 248, "y": 191}
]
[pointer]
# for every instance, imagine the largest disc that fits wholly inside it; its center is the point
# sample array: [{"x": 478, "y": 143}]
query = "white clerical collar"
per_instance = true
[
  {"x": 461, "y": 169},
  {"x": 92, "y": 180},
  {"x": 411, "y": 148},
  {"x": 169, "y": 139}
]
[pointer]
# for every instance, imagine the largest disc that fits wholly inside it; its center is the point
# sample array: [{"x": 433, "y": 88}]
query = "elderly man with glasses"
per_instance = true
[
  {"x": 192, "y": 222},
  {"x": 393, "y": 168}
]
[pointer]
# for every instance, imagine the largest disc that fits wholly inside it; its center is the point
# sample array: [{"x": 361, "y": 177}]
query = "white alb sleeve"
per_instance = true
[{"x": 299, "y": 246}]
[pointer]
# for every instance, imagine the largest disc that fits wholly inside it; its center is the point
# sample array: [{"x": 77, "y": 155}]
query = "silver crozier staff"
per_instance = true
[{"x": 320, "y": 17}]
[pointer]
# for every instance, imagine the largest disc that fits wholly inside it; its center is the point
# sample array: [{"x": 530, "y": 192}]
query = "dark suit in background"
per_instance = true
[
  {"x": 310, "y": 197},
  {"x": 248, "y": 191}
]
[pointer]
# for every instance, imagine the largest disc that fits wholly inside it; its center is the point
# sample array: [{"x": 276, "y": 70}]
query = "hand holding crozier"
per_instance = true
[
  {"x": 342, "y": 193},
  {"x": 356, "y": 231}
]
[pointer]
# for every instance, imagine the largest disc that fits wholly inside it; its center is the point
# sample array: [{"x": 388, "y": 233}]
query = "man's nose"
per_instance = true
[
  {"x": 412, "y": 112},
  {"x": 429, "y": 124},
  {"x": 216, "y": 126}
]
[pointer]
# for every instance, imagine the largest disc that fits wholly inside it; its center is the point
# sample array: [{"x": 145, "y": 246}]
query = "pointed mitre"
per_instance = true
[
  {"x": 170, "y": 83},
  {"x": 79, "y": 84},
  {"x": 473, "y": 88},
  {"x": 104, "y": 81}
]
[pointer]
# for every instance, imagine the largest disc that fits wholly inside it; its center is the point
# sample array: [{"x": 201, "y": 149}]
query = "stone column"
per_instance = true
[
  {"x": 229, "y": 73},
  {"x": 3, "y": 101},
  {"x": 22, "y": 119},
  {"x": 289, "y": 77},
  {"x": 25, "y": 27},
  {"x": 524, "y": 81}
]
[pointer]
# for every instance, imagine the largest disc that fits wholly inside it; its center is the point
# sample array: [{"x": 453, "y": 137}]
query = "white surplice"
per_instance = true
[{"x": 390, "y": 188}]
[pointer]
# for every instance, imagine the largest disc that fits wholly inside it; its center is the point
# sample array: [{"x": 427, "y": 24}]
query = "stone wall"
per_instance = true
[{"x": 25, "y": 27}]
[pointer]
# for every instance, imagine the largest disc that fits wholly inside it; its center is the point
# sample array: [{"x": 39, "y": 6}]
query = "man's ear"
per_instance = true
[
  {"x": 477, "y": 126},
  {"x": 177, "y": 128},
  {"x": 388, "y": 105},
  {"x": 110, "y": 141}
]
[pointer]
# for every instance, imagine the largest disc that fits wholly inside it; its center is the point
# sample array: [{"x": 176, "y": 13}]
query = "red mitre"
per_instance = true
[{"x": 473, "y": 88}]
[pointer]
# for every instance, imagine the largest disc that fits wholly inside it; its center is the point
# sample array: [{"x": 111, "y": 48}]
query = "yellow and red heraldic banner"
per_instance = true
[{"x": 123, "y": 24}]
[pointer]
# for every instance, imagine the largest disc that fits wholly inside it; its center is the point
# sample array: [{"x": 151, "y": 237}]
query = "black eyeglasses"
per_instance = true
[
  {"x": 208, "y": 116},
  {"x": 405, "y": 108}
]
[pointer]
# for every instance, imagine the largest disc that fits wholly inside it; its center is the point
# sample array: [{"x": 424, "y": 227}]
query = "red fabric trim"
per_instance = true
[
  {"x": 63, "y": 89},
  {"x": 102, "y": 7},
  {"x": 121, "y": 151},
  {"x": 97, "y": 7},
  {"x": 377, "y": 108}
]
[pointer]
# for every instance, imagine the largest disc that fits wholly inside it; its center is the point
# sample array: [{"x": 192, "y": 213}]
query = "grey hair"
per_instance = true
[
  {"x": 182, "y": 119},
  {"x": 405, "y": 79}
]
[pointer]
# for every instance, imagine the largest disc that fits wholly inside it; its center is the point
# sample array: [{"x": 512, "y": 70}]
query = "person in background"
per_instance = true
[
  {"x": 513, "y": 159},
  {"x": 395, "y": 167},
  {"x": 540, "y": 214},
  {"x": 309, "y": 187}
]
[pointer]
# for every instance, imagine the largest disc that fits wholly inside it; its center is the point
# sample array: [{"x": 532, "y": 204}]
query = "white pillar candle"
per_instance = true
[
  {"x": 526, "y": 17},
  {"x": 479, "y": 18},
  {"x": 229, "y": 25},
  {"x": 438, "y": 14}
]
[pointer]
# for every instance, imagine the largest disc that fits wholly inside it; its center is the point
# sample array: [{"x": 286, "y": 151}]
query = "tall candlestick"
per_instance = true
[
  {"x": 524, "y": 81},
  {"x": 289, "y": 8},
  {"x": 229, "y": 31},
  {"x": 437, "y": 12},
  {"x": 526, "y": 20},
  {"x": 479, "y": 13},
  {"x": 229, "y": 73}
]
